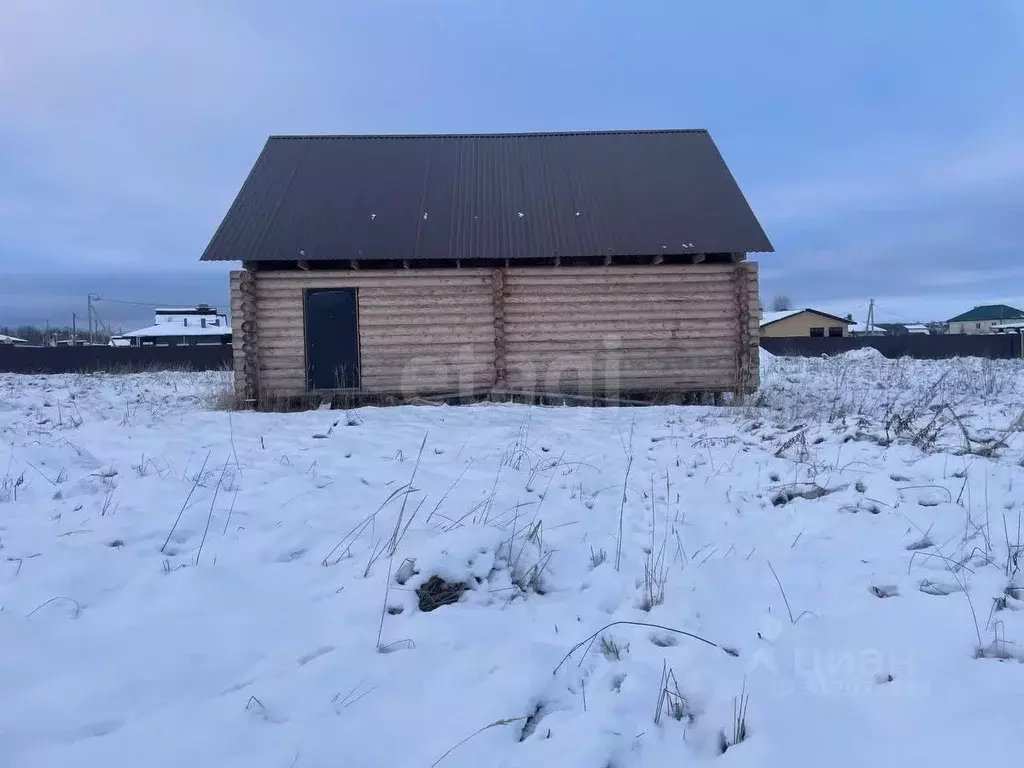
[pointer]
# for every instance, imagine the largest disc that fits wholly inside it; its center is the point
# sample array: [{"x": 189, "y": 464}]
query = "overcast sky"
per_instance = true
[{"x": 880, "y": 142}]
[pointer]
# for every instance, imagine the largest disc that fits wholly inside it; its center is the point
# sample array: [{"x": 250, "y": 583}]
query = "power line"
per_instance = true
[{"x": 143, "y": 303}]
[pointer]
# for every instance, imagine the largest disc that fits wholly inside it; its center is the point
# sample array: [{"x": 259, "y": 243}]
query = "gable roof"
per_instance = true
[
  {"x": 773, "y": 317},
  {"x": 496, "y": 196},
  {"x": 988, "y": 312}
]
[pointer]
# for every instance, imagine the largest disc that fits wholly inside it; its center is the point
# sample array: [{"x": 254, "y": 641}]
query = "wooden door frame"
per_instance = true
[{"x": 305, "y": 338}]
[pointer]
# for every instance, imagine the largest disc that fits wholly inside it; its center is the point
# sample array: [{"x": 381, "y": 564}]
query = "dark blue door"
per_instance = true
[{"x": 332, "y": 339}]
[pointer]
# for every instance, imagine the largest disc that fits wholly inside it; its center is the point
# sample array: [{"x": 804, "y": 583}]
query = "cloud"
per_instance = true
[
  {"x": 878, "y": 144},
  {"x": 943, "y": 219},
  {"x": 121, "y": 119},
  {"x": 899, "y": 176}
]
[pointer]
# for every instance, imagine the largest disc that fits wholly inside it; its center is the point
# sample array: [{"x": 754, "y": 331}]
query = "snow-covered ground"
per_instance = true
[{"x": 836, "y": 560}]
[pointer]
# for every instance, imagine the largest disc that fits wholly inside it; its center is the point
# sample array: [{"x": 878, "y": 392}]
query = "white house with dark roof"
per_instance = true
[{"x": 180, "y": 325}]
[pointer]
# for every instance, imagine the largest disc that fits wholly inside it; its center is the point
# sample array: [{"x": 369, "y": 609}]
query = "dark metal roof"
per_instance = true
[{"x": 498, "y": 196}]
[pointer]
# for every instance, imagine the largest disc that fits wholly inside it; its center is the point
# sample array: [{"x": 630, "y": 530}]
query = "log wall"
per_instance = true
[
  {"x": 656, "y": 328},
  {"x": 419, "y": 330},
  {"x": 644, "y": 328}
]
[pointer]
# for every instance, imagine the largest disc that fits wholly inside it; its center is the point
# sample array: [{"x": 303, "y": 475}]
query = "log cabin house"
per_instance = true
[{"x": 600, "y": 263}]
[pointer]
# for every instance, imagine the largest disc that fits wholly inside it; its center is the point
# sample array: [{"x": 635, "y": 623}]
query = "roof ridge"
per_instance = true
[{"x": 528, "y": 134}]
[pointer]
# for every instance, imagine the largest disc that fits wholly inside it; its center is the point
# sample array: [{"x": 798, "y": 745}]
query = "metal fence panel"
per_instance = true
[
  {"x": 993, "y": 346},
  {"x": 15, "y": 359}
]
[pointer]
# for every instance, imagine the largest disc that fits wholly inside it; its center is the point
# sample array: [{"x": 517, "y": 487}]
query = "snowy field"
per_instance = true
[{"x": 826, "y": 576}]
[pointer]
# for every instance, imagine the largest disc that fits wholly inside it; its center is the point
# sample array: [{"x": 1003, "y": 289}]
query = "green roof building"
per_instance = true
[{"x": 982, "y": 319}]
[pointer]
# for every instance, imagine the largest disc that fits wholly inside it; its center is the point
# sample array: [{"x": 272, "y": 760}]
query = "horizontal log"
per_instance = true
[
  {"x": 282, "y": 363},
  {"x": 524, "y": 313},
  {"x": 452, "y": 324},
  {"x": 468, "y": 353},
  {"x": 604, "y": 286},
  {"x": 429, "y": 297},
  {"x": 389, "y": 297},
  {"x": 274, "y": 323},
  {"x": 532, "y": 338},
  {"x": 458, "y": 314},
  {"x": 689, "y": 375},
  {"x": 563, "y": 276},
  {"x": 585, "y": 362},
  {"x": 625, "y": 328},
  {"x": 416, "y": 373},
  {"x": 481, "y": 349},
  {"x": 699, "y": 359},
  {"x": 365, "y": 281},
  {"x": 455, "y": 335},
  {"x": 374, "y": 274},
  {"x": 282, "y": 384},
  {"x": 450, "y": 273},
  {"x": 625, "y": 297},
  {"x": 428, "y": 335},
  {"x": 269, "y": 340},
  {"x": 655, "y": 313},
  {"x": 411, "y": 386},
  {"x": 619, "y": 270},
  {"x": 376, "y": 314},
  {"x": 451, "y": 357},
  {"x": 641, "y": 281},
  {"x": 634, "y": 346},
  {"x": 661, "y": 383}
]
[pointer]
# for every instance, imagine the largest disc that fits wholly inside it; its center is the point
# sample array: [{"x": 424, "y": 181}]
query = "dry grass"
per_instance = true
[{"x": 671, "y": 701}]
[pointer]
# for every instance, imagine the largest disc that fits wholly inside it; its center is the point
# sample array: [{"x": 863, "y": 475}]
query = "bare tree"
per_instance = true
[{"x": 781, "y": 304}]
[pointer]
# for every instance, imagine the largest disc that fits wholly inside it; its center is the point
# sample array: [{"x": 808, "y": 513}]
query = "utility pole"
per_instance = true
[
  {"x": 871, "y": 316},
  {"x": 74, "y": 328},
  {"x": 92, "y": 312}
]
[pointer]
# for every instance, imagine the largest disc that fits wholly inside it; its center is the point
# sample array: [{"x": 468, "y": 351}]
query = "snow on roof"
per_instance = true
[
  {"x": 186, "y": 310},
  {"x": 175, "y": 329},
  {"x": 774, "y": 317},
  {"x": 4, "y": 339}
]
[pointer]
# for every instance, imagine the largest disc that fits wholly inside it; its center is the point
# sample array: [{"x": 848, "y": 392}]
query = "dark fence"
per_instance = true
[
  {"x": 993, "y": 346},
  {"x": 113, "y": 359}
]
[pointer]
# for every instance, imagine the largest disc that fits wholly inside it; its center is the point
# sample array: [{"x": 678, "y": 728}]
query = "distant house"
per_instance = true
[
  {"x": 1011, "y": 327},
  {"x": 904, "y": 329},
  {"x": 804, "y": 322},
  {"x": 11, "y": 340},
  {"x": 171, "y": 327},
  {"x": 984, "y": 318}
]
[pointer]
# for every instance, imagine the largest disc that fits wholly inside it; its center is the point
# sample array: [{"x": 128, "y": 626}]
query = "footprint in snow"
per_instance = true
[
  {"x": 932, "y": 497},
  {"x": 313, "y": 655},
  {"x": 291, "y": 556},
  {"x": 930, "y": 587},
  {"x": 885, "y": 590},
  {"x": 664, "y": 640},
  {"x": 922, "y": 543}
]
